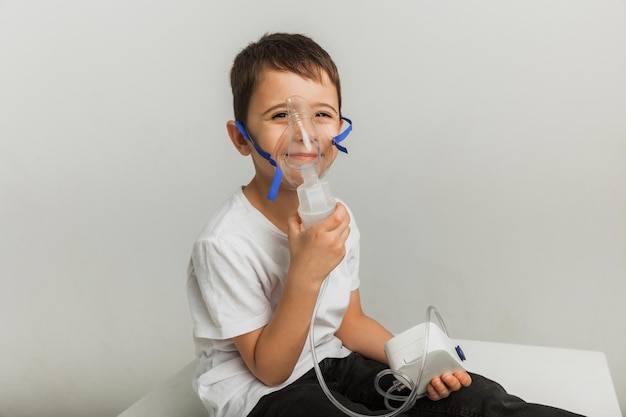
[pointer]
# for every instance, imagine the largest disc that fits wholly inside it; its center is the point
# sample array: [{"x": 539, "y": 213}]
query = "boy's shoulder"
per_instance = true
[{"x": 236, "y": 219}]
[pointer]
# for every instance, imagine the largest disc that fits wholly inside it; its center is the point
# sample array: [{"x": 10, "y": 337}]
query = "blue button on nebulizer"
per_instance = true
[{"x": 459, "y": 352}]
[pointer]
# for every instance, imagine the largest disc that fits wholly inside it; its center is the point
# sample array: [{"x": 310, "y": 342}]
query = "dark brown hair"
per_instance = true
[{"x": 283, "y": 52}]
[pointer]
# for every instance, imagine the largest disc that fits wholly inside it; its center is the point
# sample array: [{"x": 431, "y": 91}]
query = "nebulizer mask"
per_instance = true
[
  {"x": 302, "y": 156},
  {"x": 304, "y": 153}
]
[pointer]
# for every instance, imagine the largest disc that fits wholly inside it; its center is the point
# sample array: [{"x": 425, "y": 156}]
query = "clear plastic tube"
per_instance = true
[{"x": 402, "y": 378}]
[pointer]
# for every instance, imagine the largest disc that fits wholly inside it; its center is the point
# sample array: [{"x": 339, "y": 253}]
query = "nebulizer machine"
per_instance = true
[{"x": 415, "y": 356}]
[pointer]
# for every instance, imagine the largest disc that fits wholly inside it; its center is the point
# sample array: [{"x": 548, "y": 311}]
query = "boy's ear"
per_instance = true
[{"x": 240, "y": 142}]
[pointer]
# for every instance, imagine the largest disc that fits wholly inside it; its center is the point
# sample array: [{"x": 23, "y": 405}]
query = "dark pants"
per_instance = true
[{"x": 351, "y": 380}]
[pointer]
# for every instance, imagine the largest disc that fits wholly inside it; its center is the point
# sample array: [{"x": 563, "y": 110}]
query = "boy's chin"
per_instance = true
[{"x": 290, "y": 185}]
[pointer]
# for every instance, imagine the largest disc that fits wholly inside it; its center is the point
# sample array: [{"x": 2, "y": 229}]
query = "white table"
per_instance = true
[{"x": 577, "y": 380}]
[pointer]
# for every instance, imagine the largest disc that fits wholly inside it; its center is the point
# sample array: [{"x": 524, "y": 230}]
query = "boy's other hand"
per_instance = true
[
  {"x": 441, "y": 387},
  {"x": 316, "y": 251}
]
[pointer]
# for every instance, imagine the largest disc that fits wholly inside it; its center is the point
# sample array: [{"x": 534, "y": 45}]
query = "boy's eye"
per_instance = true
[{"x": 284, "y": 115}]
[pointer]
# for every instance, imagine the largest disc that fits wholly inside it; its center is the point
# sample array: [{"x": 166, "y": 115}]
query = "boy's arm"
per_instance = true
[
  {"x": 366, "y": 336},
  {"x": 361, "y": 333},
  {"x": 272, "y": 351}
]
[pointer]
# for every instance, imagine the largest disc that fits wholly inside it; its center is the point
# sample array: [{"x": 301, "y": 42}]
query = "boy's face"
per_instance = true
[{"x": 267, "y": 113}]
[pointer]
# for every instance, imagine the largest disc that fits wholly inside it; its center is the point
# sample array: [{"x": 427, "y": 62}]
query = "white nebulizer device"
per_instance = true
[
  {"x": 415, "y": 357},
  {"x": 424, "y": 352}
]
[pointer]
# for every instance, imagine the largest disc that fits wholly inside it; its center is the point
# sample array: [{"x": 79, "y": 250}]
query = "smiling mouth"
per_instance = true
[{"x": 303, "y": 157}]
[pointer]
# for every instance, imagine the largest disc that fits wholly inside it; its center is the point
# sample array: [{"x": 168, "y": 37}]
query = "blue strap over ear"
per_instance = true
[
  {"x": 278, "y": 176},
  {"x": 342, "y": 136}
]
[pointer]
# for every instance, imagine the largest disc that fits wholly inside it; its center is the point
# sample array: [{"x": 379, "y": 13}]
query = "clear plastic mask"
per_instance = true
[
  {"x": 306, "y": 145},
  {"x": 320, "y": 141}
]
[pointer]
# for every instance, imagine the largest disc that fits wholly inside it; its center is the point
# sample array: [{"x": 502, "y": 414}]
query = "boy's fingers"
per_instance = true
[
  {"x": 443, "y": 386},
  {"x": 292, "y": 221},
  {"x": 338, "y": 220},
  {"x": 451, "y": 381},
  {"x": 432, "y": 393},
  {"x": 440, "y": 388},
  {"x": 464, "y": 378}
]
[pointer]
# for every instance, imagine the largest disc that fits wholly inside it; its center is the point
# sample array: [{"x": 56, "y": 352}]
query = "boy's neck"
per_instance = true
[{"x": 277, "y": 211}]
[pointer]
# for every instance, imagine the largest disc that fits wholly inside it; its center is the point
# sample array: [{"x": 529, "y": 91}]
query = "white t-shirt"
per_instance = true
[{"x": 235, "y": 279}]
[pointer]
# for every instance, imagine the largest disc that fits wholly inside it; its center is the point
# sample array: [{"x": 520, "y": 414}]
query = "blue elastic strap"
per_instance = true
[
  {"x": 278, "y": 176},
  {"x": 342, "y": 136}
]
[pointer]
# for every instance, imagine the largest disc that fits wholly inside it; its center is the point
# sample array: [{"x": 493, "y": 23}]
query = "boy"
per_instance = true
[{"x": 255, "y": 272}]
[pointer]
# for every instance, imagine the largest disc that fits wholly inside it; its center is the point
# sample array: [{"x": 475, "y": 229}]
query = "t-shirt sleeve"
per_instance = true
[{"x": 227, "y": 294}]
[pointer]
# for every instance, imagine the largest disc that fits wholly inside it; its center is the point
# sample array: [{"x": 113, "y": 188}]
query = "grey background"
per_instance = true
[{"x": 487, "y": 172}]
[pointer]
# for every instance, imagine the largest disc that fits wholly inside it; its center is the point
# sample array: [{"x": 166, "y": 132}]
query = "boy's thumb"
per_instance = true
[{"x": 294, "y": 223}]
